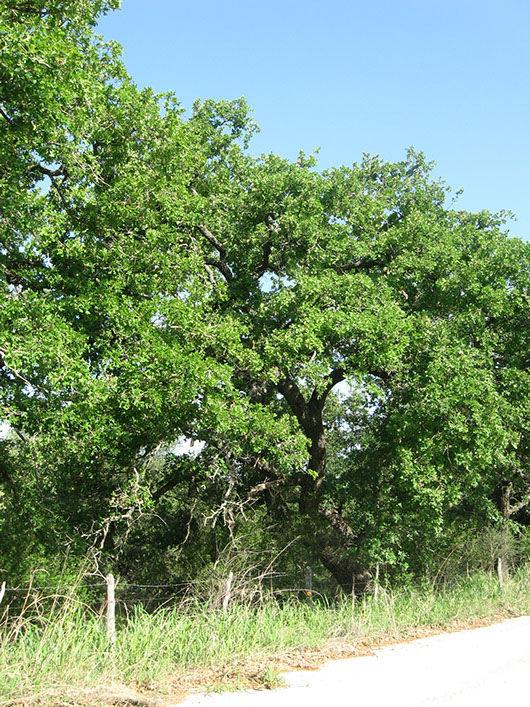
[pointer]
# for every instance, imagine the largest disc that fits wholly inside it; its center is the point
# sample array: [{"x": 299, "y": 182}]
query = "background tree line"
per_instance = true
[{"x": 346, "y": 350}]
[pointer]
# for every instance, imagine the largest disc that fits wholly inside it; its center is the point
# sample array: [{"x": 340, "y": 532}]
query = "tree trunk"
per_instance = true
[
  {"x": 327, "y": 530},
  {"x": 337, "y": 541},
  {"x": 351, "y": 577}
]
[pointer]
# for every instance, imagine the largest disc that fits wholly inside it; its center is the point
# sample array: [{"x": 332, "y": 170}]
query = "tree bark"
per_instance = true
[
  {"x": 328, "y": 531},
  {"x": 351, "y": 577}
]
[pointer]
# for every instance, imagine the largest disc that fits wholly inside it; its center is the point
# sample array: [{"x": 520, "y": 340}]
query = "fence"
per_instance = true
[{"x": 108, "y": 596}]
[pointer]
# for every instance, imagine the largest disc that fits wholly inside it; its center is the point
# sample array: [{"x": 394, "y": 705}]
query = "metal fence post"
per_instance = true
[{"x": 309, "y": 585}]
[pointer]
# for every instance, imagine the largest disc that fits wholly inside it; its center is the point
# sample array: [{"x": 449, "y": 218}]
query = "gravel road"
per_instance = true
[{"x": 482, "y": 667}]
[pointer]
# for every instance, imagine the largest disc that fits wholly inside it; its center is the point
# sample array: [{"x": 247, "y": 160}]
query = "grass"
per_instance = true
[{"x": 56, "y": 652}]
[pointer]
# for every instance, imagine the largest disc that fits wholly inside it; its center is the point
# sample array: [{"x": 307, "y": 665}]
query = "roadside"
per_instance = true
[
  {"x": 245, "y": 678},
  {"x": 167, "y": 656},
  {"x": 486, "y": 666}
]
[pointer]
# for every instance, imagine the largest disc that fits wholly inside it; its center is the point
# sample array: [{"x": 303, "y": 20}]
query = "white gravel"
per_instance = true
[{"x": 482, "y": 667}]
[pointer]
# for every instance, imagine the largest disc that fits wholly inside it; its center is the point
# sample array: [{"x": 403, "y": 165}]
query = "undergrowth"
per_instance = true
[{"x": 59, "y": 642}]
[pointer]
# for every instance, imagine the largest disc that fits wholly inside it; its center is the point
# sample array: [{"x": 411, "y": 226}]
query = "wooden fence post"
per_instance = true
[
  {"x": 2, "y": 591},
  {"x": 111, "y": 610},
  {"x": 502, "y": 571},
  {"x": 226, "y": 598},
  {"x": 376, "y": 588}
]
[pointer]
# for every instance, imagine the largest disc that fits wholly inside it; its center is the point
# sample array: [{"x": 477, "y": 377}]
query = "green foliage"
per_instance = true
[{"x": 160, "y": 284}]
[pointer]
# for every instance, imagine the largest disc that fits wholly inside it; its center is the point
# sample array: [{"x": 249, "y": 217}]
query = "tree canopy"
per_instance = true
[{"x": 347, "y": 350}]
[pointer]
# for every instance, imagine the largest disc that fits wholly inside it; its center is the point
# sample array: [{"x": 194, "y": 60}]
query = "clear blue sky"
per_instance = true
[{"x": 449, "y": 77}]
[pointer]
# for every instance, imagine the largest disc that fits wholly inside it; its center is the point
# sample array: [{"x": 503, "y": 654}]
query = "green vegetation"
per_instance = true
[
  {"x": 63, "y": 651},
  {"x": 213, "y": 363}
]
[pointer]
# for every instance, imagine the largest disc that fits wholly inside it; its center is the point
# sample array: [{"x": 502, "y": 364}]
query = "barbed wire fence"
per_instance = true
[{"x": 109, "y": 597}]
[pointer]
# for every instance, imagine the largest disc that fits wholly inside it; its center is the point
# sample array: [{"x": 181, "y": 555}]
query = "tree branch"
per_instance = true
[
  {"x": 266, "y": 485},
  {"x": 220, "y": 264},
  {"x": 334, "y": 377},
  {"x": 519, "y": 506},
  {"x": 213, "y": 240},
  {"x": 222, "y": 267},
  {"x": 366, "y": 263},
  {"x": 291, "y": 392},
  {"x": 265, "y": 261},
  {"x": 51, "y": 173},
  {"x": 5, "y": 115},
  {"x": 209, "y": 272},
  {"x": 273, "y": 230}
]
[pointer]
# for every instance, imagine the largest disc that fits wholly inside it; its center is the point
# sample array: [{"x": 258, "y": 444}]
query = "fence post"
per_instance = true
[
  {"x": 309, "y": 585},
  {"x": 111, "y": 610},
  {"x": 2, "y": 591},
  {"x": 226, "y": 598},
  {"x": 376, "y": 588},
  {"x": 502, "y": 571}
]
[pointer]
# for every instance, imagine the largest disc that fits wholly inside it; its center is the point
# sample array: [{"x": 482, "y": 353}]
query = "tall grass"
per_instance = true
[{"x": 63, "y": 642}]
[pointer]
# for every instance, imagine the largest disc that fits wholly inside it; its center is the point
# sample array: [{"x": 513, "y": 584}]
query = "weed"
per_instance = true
[{"x": 62, "y": 643}]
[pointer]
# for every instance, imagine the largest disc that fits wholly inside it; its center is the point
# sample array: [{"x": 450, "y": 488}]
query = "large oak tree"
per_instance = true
[{"x": 160, "y": 282}]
